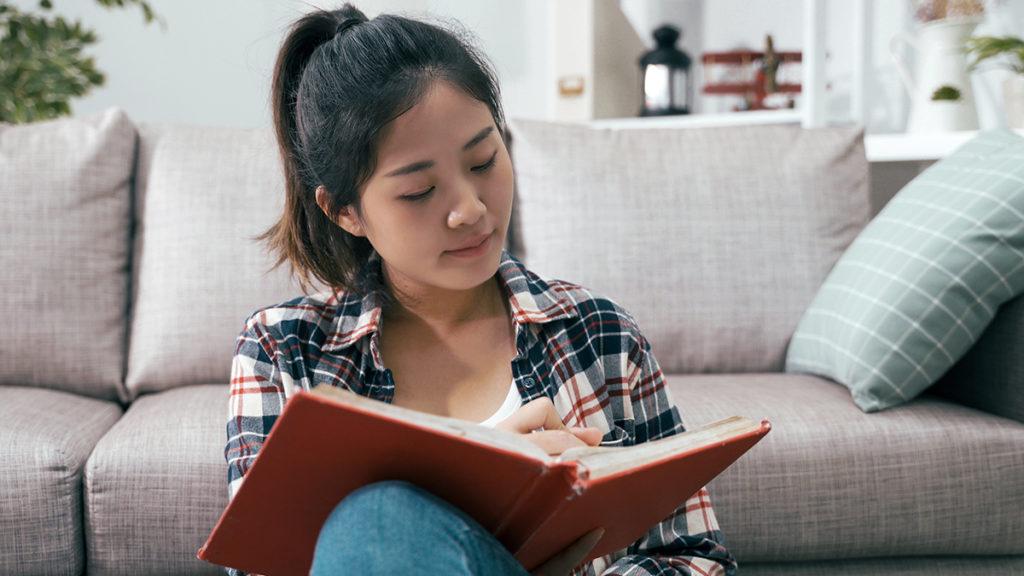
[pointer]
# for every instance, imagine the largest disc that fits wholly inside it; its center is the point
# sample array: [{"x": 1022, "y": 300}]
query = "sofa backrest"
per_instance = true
[
  {"x": 202, "y": 194},
  {"x": 134, "y": 265},
  {"x": 66, "y": 216},
  {"x": 714, "y": 239}
]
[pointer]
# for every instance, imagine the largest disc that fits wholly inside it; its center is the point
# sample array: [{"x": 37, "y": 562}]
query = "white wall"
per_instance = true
[{"x": 213, "y": 62}]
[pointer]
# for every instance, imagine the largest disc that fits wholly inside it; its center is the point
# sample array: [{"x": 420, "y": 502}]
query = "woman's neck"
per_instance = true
[{"x": 446, "y": 311}]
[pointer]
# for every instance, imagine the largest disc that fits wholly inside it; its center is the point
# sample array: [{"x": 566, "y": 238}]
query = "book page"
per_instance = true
[
  {"x": 604, "y": 461},
  {"x": 457, "y": 426},
  {"x": 600, "y": 460}
]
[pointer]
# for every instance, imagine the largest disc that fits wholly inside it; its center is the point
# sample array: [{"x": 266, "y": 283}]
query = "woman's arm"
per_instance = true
[
  {"x": 688, "y": 542},
  {"x": 255, "y": 400}
]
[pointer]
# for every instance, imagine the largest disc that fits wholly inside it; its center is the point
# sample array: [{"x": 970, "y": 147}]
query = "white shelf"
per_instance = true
[
  {"x": 702, "y": 120},
  {"x": 877, "y": 147},
  {"x": 583, "y": 30},
  {"x": 915, "y": 147}
]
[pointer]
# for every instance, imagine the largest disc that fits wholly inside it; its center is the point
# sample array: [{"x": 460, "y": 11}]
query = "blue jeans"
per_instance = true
[{"x": 394, "y": 527}]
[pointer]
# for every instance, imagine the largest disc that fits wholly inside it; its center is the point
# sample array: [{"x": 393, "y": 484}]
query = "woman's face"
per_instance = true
[{"x": 443, "y": 179}]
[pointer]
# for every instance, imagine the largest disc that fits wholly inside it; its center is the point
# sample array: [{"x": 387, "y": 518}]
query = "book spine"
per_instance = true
[
  {"x": 514, "y": 510},
  {"x": 544, "y": 496}
]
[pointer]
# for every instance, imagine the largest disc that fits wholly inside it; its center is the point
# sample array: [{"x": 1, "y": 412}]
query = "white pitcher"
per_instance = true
[{"x": 941, "y": 62}]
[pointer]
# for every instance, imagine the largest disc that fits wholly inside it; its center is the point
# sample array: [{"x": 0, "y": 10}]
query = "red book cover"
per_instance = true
[{"x": 534, "y": 504}]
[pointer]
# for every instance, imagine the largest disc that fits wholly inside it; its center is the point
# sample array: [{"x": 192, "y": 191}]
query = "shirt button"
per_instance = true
[{"x": 528, "y": 382}]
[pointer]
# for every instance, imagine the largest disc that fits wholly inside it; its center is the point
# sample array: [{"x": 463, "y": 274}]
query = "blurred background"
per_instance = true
[
  {"x": 209, "y": 62},
  {"x": 921, "y": 76}
]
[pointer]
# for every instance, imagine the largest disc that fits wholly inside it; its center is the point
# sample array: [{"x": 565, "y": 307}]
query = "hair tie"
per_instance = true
[{"x": 346, "y": 24}]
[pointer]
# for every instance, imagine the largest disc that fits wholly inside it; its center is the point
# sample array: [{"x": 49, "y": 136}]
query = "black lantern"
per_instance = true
[{"x": 665, "y": 75}]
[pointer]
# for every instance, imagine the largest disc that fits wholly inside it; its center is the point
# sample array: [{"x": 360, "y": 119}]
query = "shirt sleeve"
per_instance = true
[
  {"x": 689, "y": 541},
  {"x": 255, "y": 400}
]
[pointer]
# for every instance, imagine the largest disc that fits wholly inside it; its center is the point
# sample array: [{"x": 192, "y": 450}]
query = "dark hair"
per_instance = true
[{"x": 338, "y": 80}]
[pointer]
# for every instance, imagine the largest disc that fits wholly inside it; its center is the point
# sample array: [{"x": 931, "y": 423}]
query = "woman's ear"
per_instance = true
[{"x": 346, "y": 216}]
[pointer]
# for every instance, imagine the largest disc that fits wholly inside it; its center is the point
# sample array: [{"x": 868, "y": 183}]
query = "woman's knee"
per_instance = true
[
  {"x": 385, "y": 501},
  {"x": 383, "y": 495}
]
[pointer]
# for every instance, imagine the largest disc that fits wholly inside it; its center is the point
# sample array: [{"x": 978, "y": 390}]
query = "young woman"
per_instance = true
[{"x": 399, "y": 191}]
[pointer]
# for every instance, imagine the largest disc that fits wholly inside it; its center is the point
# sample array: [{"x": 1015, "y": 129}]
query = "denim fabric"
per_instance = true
[{"x": 395, "y": 527}]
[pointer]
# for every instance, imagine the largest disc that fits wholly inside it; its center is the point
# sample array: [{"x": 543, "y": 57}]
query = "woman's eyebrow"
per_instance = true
[{"x": 424, "y": 164}]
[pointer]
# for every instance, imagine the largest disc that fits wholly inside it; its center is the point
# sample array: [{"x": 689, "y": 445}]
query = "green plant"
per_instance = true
[
  {"x": 946, "y": 92},
  {"x": 985, "y": 47},
  {"x": 43, "y": 67}
]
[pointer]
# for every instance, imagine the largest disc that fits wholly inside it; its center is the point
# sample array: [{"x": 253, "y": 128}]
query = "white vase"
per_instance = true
[
  {"x": 941, "y": 61},
  {"x": 1013, "y": 101}
]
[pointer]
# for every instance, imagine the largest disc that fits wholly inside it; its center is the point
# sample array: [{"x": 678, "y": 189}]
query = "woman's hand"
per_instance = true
[
  {"x": 555, "y": 438},
  {"x": 561, "y": 564}
]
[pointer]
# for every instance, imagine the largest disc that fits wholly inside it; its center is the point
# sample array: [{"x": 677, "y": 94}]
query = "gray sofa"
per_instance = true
[{"x": 129, "y": 268}]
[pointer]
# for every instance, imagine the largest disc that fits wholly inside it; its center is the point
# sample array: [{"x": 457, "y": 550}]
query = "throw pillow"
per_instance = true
[{"x": 921, "y": 282}]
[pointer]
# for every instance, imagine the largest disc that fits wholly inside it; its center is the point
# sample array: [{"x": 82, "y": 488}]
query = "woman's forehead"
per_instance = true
[{"x": 443, "y": 120}]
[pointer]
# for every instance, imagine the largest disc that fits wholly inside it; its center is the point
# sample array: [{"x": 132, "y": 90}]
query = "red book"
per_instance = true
[{"x": 535, "y": 504}]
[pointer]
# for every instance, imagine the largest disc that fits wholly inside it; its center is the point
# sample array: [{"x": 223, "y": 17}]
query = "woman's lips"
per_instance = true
[{"x": 480, "y": 248}]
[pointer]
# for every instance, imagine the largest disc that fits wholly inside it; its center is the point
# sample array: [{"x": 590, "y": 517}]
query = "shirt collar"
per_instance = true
[{"x": 531, "y": 300}]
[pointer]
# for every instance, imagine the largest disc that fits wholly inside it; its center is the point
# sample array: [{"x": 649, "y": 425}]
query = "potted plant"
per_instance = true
[
  {"x": 42, "y": 66},
  {"x": 938, "y": 40},
  {"x": 1006, "y": 52}
]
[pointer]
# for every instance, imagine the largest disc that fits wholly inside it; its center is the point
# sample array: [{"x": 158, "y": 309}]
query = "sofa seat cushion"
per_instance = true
[
  {"x": 157, "y": 483},
  {"x": 831, "y": 482},
  {"x": 928, "y": 566},
  {"x": 45, "y": 440}
]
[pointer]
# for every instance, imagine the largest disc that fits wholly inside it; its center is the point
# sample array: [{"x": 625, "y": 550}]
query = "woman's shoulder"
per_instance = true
[
  {"x": 593, "y": 310},
  {"x": 295, "y": 315}
]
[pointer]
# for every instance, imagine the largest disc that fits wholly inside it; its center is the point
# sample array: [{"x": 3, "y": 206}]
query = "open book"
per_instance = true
[{"x": 328, "y": 442}]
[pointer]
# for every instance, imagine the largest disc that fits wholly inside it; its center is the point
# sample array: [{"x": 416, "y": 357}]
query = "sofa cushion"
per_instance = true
[
  {"x": 45, "y": 438},
  {"x": 990, "y": 376},
  {"x": 931, "y": 566},
  {"x": 203, "y": 194},
  {"x": 925, "y": 478},
  {"x": 157, "y": 483},
  {"x": 65, "y": 218},
  {"x": 715, "y": 239},
  {"x": 919, "y": 285}
]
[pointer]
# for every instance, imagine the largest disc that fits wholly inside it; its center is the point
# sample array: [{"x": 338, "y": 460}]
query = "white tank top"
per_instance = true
[{"x": 512, "y": 403}]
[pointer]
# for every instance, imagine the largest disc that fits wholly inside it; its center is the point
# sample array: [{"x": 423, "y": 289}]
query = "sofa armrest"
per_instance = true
[{"x": 989, "y": 376}]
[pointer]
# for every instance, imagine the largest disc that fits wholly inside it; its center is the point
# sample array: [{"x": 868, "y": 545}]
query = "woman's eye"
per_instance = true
[
  {"x": 478, "y": 169},
  {"x": 421, "y": 196},
  {"x": 486, "y": 166}
]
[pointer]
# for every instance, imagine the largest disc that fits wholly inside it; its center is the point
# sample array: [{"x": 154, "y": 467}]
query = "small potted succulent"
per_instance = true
[
  {"x": 947, "y": 93},
  {"x": 1004, "y": 52}
]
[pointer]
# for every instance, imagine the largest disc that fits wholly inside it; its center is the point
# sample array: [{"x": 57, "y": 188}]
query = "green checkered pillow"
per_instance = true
[{"x": 923, "y": 279}]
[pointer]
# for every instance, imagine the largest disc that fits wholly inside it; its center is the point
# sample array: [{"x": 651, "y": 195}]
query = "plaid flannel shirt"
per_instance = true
[{"x": 582, "y": 351}]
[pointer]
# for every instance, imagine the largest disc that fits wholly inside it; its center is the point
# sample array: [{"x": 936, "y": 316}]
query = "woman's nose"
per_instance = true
[{"x": 468, "y": 209}]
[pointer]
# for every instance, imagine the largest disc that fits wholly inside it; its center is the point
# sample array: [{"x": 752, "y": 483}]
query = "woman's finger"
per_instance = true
[
  {"x": 590, "y": 435},
  {"x": 554, "y": 442},
  {"x": 537, "y": 413}
]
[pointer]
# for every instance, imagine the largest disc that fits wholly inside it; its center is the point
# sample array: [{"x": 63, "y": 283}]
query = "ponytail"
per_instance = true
[{"x": 304, "y": 236}]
